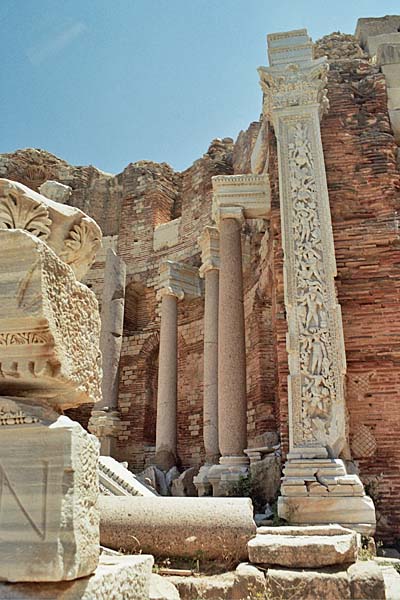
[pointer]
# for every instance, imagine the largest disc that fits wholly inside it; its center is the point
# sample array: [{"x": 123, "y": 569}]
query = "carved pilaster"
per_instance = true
[{"x": 294, "y": 100}]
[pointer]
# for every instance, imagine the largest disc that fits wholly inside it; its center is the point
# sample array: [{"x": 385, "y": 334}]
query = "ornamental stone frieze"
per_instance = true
[
  {"x": 71, "y": 234},
  {"x": 315, "y": 477}
]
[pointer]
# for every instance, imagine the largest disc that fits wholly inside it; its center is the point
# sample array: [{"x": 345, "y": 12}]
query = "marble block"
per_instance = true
[
  {"x": 49, "y": 325},
  {"x": 71, "y": 234},
  {"x": 49, "y": 520},
  {"x": 116, "y": 578}
]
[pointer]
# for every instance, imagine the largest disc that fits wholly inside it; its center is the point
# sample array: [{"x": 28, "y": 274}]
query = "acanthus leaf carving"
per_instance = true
[{"x": 24, "y": 213}]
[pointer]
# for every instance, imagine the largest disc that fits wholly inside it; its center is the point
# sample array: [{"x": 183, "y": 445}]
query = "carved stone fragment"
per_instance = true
[
  {"x": 49, "y": 522},
  {"x": 71, "y": 234},
  {"x": 49, "y": 325}
]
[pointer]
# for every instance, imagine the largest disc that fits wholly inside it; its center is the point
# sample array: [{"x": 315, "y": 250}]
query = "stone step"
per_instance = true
[
  {"x": 117, "y": 577},
  {"x": 303, "y": 547},
  {"x": 363, "y": 580}
]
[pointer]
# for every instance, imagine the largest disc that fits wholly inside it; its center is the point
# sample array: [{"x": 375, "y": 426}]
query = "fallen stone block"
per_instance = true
[
  {"x": 49, "y": 325},
  {"x": 116, "y": 480},
  {"x": 183, "y": 485},
  {"x": 214, "y": 528},
  {"x": 300, "y": 547},
  {"x": 49, "y": 489},
  {"x": 116, "y": 578}
]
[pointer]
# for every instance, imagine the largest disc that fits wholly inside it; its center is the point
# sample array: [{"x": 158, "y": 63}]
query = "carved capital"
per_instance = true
[
  {"x": 179, "y": 280},
  {"x": 294, "y": 78},
  {"x": 105, "y": 424},
  {"x": 249, "y": 193},
  {"x": 71, "y": 234},
  {"x": 209, "y": 244}
]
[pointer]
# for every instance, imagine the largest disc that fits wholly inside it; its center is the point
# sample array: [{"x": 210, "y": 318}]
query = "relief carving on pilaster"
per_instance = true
[{"x": 310, "y": 293}]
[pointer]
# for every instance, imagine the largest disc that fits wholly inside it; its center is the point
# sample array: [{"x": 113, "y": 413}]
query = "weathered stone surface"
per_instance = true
[
  {"x": 292, "y": 547},
  {"x": 266, "y": 477},
  {"x": 215, "y": 527},
  {"x": 162, "y": 589},
  {"x": 330, "y": 583},
  {"x": 49, "y": 325},
  {"x": 166, "y": 235},
  {"x": 183, "y": 485},
  {"x": 388, "y": 54},
  {"x": 366, "y": 581},
  {"x": 249, "y": 582},
  {"x": 71, "y": 234},
  {"x": 212, "y": 587},
  {"x": 391, "y": 578},
  {"x": 354, "y": 512},
  {"x": 49, "y": 520},
  {"x": 116, "y": 578},
  {"x": 54, "y": 190},
  {"x": 156, "y": 479},
  {"x": 116, "y": 480}
]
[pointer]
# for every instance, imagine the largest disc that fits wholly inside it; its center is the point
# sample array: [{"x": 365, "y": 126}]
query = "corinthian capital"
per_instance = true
[{"x": 294, "y": 78}]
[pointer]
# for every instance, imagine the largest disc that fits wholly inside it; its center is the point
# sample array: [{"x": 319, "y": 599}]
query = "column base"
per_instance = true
[
  {"x": 230, "y": 470},
  {"x": 319, "y": 491},
  {"x": 165, "y": 459}
]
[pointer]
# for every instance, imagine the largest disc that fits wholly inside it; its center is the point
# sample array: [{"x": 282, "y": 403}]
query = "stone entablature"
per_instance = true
[
  {"x": 248, "y": 193},
  {"x": 180, "y": 280},
  {"x": 209, "y": 244},
  {"x": 71, "y": 234}
]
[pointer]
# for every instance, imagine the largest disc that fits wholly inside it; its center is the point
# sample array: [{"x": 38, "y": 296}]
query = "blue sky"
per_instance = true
[{"x": 108, "y": 82}]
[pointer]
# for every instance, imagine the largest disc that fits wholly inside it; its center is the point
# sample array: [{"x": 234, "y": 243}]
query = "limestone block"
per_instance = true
[
  {"x": 49, "y": 325},
  {"x": 212, "y": 587},
  {"x": 166, "y": 235},
  {"x": 71, "y": 234},
  {"x": 156, "y": 479},
  {"x": 289, "y": 47},
  {"x": 393, "y": 94},
  {"x": 183, "y": 485},
  {"x": 388, "y": 54},
  {"x": 394, "y": 116},
  {"x": 372, "y": 26},
  {"x": 392, "y": 75},
  {"x": 49, "y": 520},
  {"x": 288, "y": 547},
  {"x": 178, "y": 527},
  {"x": 116, "y": 480},
  {"x": 375, "y": 41},
  {"x": 355, "y": 512},
  {"x": 366, "y": 581},
  {"x": 330, "y": 583},
  {"x": 249, "y": 582},
  {"x": 162, "y": 589},
  {"x": 260, "y": 153},
  {"x": 266, "y": 477},
  {"x": 54, "y": 190},
  {"x": 116, "y": 578}
]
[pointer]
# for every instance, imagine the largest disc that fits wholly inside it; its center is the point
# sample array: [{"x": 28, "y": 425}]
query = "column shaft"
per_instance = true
[
  {"x": 231, "y": 344},
  {"x": 210, "y": 408},
  {"x": 167, "y": 384}
]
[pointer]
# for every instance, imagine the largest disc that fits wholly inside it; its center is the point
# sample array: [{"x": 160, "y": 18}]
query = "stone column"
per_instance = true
[
  {"x": 176, "y": 282},
  {"x": 235, "y": 198},
  {"x": 209, "y": 244},
  {"x": 105, "y": 422},
  {"x": 316, "y": 487}
]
